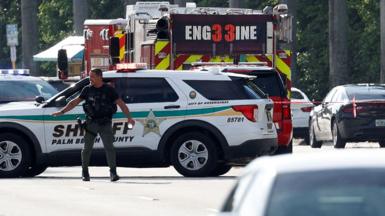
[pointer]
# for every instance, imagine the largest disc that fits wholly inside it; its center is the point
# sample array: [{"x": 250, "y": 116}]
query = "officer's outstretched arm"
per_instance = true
[
  {"x": 125, "y": 110},
  {"x": 73, "y": 103}
]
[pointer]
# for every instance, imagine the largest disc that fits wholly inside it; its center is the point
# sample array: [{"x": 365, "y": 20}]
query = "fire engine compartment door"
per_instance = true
[{"x": 219, "y": 34}]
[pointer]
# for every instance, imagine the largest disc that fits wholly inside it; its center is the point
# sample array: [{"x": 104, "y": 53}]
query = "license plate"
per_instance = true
[{"x": 380, "y": 122}]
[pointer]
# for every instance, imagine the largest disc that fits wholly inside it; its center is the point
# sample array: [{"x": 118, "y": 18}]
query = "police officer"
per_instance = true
[{"x": 100, "y": 105}]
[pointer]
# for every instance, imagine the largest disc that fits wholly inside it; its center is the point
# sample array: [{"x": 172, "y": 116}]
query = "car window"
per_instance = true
[
  {"x": 339, "y": 96},
  {"x": 271, "y": 84},
  {"x": 145, "y": 90},
  {"x": 223, "y": 90},
  {"x": 236, "y": 195},
  {"x": 329, "y": 96},
  {"x": 366, "y": 93},
  {"x": 356, "y": 192},
  {"x": 296, "y": 95},
  {"x": 25, "y": 90}
]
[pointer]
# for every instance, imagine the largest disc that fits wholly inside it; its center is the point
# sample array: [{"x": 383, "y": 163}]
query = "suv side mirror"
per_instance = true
[
  {"x": 114, "y": 50},
  {"x": 60, "y": 101},
  {"x": 62, "y": 64},
  {"x": 39, "y": 99}
]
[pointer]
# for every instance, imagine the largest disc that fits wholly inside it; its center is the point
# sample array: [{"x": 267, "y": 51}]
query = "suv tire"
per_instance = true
[
  {"x": 35, "y": 170},
  {"x": 194, "y": 154},
  {"x": 15, "y": 156},
  {"x": 221, "y": 169}
]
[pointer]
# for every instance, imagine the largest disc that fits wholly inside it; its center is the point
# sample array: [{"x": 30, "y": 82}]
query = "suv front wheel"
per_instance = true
[
  {"x": 194, "y": 154},
  {"x": 15, "y": 156}
]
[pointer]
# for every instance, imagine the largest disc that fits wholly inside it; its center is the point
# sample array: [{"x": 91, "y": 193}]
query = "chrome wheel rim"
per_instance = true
[
  {"x": 193, "y": 155},
  {"x": 10, "y": 155}
]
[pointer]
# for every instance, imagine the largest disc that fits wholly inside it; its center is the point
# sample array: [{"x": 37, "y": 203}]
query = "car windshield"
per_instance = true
[
  {"x": 356, "y": 192},
  {"x": 25, "y": 90}
]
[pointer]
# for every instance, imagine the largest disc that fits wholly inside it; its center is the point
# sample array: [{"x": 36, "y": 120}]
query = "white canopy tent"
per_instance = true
[{"x": 73, "y": 44}]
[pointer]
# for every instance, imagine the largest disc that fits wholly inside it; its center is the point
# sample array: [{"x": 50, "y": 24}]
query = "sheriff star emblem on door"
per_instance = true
[{"x": 151, "y": 123}]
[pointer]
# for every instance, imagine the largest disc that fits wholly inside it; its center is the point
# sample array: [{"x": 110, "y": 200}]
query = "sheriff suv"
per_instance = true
[{"x": 199, "y": 122}]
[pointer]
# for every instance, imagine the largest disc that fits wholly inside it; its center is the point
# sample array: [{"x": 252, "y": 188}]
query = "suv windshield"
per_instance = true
[{"x": 21, "y": 90}]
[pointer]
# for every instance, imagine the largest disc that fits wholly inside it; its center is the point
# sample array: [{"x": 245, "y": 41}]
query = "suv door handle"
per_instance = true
[{"x": 172, "y": 107}]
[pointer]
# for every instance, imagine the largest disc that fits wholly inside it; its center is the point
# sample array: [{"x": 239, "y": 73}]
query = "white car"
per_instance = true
[
  {"x": 343, "y": 183},
  {"x": 301, "y": 107},
  {"x": 198, "y": 122}
]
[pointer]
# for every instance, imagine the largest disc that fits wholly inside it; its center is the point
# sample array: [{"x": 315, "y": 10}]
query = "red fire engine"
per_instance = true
[{"x": 166, "y": 36}]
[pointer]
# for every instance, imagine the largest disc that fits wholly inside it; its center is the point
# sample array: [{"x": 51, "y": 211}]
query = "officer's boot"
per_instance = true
[
  {"x": 113, "y": 175},
  {"x": 85, "y": 175}
]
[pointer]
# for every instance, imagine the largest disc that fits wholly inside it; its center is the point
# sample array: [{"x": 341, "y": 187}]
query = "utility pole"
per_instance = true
[
  {"x": 29, "y": 34},
  {"x": 338, "y": 51},
  {"x": 80, "y": 11},
  {"x": 382, "y": 26}
]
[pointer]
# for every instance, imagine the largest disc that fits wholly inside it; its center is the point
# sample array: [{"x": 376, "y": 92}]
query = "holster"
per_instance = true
[{"x": 83, "y": 125}]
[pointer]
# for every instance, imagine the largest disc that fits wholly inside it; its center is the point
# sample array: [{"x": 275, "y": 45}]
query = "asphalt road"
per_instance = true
[{"x": 158, "y": 191}]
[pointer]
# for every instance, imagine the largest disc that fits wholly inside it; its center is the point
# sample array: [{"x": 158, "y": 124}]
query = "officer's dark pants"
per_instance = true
[{"x": 107, "y": 136}]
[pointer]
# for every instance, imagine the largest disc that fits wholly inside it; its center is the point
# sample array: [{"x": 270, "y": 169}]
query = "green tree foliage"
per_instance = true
[
  {"x": 312, "y": 46},
  {"x": 364, "y": 46}
]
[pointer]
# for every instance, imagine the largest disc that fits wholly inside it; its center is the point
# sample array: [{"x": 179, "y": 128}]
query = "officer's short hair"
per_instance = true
[{"x": 97, "y": 72}]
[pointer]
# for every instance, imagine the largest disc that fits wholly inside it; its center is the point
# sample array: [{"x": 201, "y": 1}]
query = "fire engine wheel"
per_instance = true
[
  {"x": 15, "y": 156},
  {"x": 194, "y": 155}
]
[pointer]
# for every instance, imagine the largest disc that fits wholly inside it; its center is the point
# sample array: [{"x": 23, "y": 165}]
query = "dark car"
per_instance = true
[
  {"x": 270, "y": 82},
  {"x": 349, "y": 113}
]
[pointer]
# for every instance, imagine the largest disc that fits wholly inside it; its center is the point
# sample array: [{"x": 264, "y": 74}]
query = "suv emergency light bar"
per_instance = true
[
  {"x": 253, "y": 63},
  {"x": 131, "y": 66},
  {"x": 24, "y": 72},
  {"x": 197, "y": 64}
]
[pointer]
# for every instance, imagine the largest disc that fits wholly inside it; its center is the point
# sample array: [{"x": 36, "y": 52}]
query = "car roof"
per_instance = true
[
  {"x": 306, "y": 162},
  {"x": 8, "y": 77}
]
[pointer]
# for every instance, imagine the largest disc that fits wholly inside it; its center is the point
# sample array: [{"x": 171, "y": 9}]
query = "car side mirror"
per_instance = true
[
  {"x": 39, "y": 99},
  {"x": 60, "y": 101},
  {"x": 316, "y": 103}
]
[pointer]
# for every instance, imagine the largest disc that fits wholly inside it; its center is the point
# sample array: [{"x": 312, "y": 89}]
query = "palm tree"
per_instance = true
[
  {"x": 382, "y": 24},
  {"x": 80, "y": 10},
  {"x": 29, "y": 34},
  {"x": 338, "y": 53}
]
